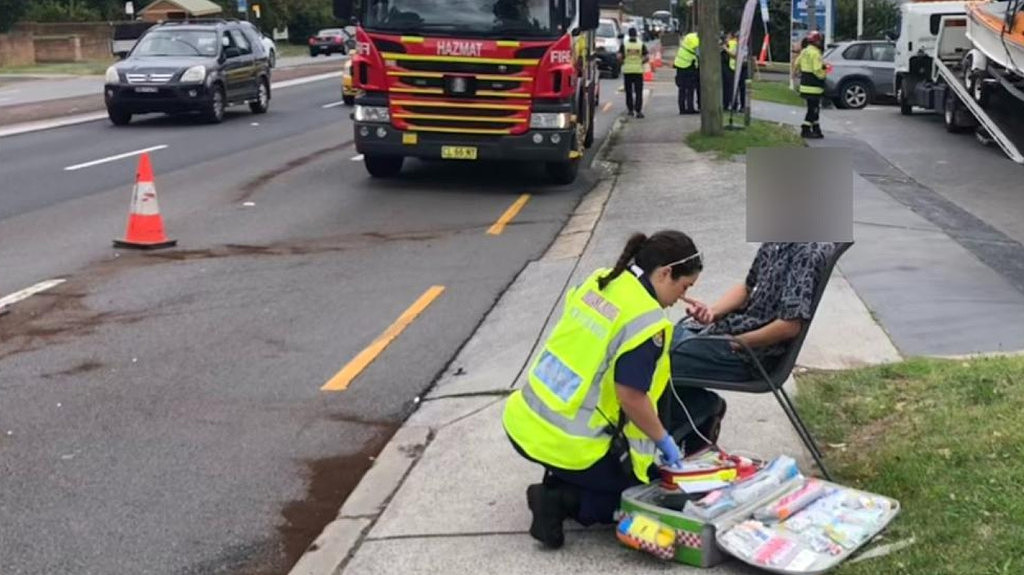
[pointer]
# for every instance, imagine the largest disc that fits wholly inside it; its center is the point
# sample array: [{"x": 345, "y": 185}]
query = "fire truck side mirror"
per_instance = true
[
  {"x": 343, "y": 10},
  {"x": 590, "y": 14}
]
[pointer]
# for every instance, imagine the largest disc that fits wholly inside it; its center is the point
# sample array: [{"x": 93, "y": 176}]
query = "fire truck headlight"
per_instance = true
[
  {"x": 548, "y": 121},
  {"x": 378, "y": 114}
]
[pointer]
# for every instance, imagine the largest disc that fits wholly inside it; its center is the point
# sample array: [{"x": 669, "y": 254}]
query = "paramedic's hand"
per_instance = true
[
  {"x": 669, "y": 450},
  {"x": 699, "y": 311}
]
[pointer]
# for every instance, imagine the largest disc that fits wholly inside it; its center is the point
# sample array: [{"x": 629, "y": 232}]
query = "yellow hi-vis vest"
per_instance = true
[
  {"x": 687, "y": 54},
  {"x": 565, "y": 414},
  {"x": 732, "y": 47},
  {"x": 812, "y": 71},
  {"x": 633, "y": 61}
]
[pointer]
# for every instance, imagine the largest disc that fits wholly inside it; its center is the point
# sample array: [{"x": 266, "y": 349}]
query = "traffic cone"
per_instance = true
[
  {"x": 657, "y": 58},
  {"x": 648, "y": 73},
  {"x": 145, "y": 226},
  {"x": 763, "y": 57}
]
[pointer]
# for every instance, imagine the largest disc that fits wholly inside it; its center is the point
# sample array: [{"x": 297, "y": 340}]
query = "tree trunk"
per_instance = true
[{"x": 710, "y": 68}]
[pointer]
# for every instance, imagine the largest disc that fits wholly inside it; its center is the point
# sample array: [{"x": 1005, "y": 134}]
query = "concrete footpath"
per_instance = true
[{"x": 447, "y": 495}]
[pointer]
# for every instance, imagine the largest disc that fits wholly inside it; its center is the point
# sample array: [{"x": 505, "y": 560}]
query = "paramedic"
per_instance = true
[{"x": 588, "y": 412}]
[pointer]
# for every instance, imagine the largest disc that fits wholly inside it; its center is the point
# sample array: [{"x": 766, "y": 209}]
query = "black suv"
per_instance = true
[{"x": 190, "y": 66}]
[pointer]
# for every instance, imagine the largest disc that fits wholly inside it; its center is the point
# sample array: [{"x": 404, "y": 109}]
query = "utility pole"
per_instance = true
[
  {"x": 860, "y": 19},
  {"x": 812, "y": 15},
  {"x": 710, "y": 62}
]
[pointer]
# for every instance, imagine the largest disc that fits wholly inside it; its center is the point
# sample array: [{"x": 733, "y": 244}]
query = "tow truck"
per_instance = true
[
  {"x": 942, "y": 67},
  {"x": 476, "y": 80}
]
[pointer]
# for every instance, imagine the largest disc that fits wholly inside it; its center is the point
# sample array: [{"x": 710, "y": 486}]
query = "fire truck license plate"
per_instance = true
[{"x": 458, "y": 153}]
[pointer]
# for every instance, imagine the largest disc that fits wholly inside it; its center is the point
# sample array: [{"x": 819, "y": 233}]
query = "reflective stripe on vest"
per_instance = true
[
  {"x": 633, "y": 62},
  {"x": 579, "y": 426}
]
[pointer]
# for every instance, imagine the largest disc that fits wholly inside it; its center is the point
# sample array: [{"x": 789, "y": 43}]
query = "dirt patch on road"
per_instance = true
[{"x": 331, "y": 480}]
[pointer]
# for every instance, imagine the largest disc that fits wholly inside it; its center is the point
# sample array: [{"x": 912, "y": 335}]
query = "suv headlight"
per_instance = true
[
  {"x": 113, "y": 77},
  {"x": 549, "y": 121},
  {"x": 194, "y": 75},
  {"x": 372, "y": 114}
]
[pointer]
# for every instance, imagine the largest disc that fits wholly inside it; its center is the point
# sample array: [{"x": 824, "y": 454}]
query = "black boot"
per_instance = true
[
  {"x": 548, "y": 514},
  {"x": 806, "y": 132},
  {"x": 816, "y": 130}
]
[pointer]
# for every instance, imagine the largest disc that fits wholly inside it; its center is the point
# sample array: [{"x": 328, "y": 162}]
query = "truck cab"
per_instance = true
[
  {"x": 507, "y": 80},
  {"x": 919, "y": 28}
]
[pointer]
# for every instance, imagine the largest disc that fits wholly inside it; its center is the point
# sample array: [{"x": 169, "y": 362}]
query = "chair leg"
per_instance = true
[{"x": 801, "y": 429}]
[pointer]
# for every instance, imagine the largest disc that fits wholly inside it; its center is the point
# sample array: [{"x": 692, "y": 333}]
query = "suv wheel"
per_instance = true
[
  {"x": 262, "y": 103},
  {"x": 215, "y": 107},
  {"x": 119, "y": 117},
  {"x": 855, "y": 94}
]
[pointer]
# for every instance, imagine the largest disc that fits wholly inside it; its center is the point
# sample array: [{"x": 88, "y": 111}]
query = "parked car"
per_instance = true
[
  {"x": 181, "y": 67},
  {"x": 348, "y": 90},
  {"x": 329, "y": 41},
  {"x": 268, "y": 43},
  {"x": 608, "y": 40},
  {"x": 860, "y": 72}
]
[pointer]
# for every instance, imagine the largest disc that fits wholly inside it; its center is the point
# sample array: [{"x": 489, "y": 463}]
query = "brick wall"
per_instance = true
[
  {"x": 62, "y": 42},
  {"x": 16, "y": 49}
]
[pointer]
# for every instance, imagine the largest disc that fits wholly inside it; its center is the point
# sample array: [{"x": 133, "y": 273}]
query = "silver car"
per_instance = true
[{"x": 860, "y": 72}]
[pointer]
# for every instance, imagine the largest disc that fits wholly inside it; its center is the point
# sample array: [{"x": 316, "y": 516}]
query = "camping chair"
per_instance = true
[{"x": 773, "y": 381}]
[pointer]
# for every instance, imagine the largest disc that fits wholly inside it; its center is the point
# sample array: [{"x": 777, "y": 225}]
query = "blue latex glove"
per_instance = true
[{"x": 669, "y": 450}]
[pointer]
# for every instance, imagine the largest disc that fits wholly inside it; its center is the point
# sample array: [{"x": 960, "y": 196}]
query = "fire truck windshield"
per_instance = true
[{"x": 483, "y": 18}]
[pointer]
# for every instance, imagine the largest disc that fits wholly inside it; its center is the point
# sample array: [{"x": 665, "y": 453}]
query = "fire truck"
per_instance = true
[{"x": 474, "y": 80}]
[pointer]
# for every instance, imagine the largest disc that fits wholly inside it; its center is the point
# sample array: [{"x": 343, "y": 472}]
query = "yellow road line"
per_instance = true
[
  {"x": 510, "y": 213},
  {"x": 607, "y": 106},
  {"x": 352, "y": 370}
]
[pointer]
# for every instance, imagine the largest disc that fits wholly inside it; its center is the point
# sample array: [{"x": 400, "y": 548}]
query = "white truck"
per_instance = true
[{"x": 941, "y": 68}]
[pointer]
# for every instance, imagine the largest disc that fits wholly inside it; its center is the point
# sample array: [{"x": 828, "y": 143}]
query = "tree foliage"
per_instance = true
[{"x": 10, "y": 13}]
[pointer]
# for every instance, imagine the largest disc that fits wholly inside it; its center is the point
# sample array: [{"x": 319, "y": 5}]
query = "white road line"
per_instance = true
[
  {"x": 357, "y": 158},
  {"x": 114, "y": 158},
  {"x": 29, "y": 292},
  {"x": 28, "y": 127},
  {"x": 333, "y": 104}
]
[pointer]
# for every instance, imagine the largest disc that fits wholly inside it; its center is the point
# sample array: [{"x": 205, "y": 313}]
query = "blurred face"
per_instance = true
[{"x": 668, "y": 289}]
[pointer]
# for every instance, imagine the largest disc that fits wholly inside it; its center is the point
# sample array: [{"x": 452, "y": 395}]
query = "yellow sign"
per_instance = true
[
  {"x": 410, "y": 138},
  {"x": 458, "y": 153}
]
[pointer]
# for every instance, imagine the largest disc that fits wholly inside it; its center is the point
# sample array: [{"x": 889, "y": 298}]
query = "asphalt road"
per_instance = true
[{"x": 162, "y": 412}]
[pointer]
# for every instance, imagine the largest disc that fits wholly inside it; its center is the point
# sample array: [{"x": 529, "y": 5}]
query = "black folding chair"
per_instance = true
[{"x": 773, "y": 381}]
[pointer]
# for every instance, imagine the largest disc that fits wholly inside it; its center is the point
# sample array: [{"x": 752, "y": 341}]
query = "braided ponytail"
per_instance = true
[{"x": 636, "y": 241}]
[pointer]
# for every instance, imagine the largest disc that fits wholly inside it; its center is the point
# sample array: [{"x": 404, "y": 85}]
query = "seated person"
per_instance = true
[{"x": 765, "y": 312}]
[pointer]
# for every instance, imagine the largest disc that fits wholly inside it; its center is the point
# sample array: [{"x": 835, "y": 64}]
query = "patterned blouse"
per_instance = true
[{"x": 781, "y": 282}]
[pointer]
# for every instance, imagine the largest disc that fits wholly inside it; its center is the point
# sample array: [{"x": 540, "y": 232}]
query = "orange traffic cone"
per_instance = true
[
  {"x": 648, "y": 73},
  {"x": 657, "y": 58},
  {"x": 145, "y": 226}
]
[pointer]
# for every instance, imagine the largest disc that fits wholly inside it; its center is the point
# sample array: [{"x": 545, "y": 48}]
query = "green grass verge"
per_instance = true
[
  {"x": 759, "y": 134},
  {"x": 286, "y": 50},
  {"x": 777, "y": 92},
  {"x": 89, "y": 68},
  {"x": 942, "y": 437}
]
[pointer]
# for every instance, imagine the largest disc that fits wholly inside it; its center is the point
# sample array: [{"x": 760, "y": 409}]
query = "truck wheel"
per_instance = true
[
  {"x": 906, "y": 108},
  {"x": 588, "y": 140},
  {"x": 952, "y": 112},
  {"x": 119, "y": 117},
  {"x": 383, "y": 166},
  {"x": 563, "y": 173}
]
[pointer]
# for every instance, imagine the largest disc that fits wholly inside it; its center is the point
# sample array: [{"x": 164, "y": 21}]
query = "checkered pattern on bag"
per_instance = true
[{"x": 691, "y": 540}]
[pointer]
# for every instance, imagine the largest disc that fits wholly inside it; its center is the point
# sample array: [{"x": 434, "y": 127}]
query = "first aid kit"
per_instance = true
[{"x": 766, "y": 514}]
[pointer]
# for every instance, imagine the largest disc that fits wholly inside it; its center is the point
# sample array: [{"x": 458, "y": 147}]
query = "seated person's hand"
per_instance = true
[{"x": 699, "y": 311}]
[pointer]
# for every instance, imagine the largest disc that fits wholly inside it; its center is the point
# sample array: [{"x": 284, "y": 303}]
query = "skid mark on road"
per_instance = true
[{"x": 253, "y": 185}]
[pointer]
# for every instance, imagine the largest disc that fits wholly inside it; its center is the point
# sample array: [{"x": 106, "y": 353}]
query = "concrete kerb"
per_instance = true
[{"x": 335, "y": 546}]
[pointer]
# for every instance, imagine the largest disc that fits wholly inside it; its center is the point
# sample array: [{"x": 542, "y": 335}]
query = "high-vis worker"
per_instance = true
[
  {"x": 633, "y": 55},
  {"x": 687, "y": 75},
  {"x": 812, "y": 83},
  {"x": 588, "y": 412}
]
